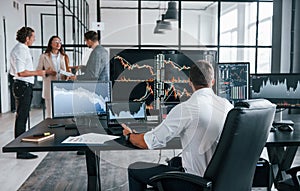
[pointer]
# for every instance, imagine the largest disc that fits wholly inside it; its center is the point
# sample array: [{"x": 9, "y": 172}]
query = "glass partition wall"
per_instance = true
[
  {"x": 240, "y": 31},
  {"x": 69, "y": 19}
]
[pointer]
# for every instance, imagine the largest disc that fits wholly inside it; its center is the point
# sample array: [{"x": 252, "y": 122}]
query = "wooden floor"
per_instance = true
[{"x": 15, "y": 171}]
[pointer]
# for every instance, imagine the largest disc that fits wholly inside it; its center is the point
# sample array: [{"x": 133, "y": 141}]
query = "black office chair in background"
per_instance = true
[
  {"x": 290, "y": 184},
  {"x": 233, "y": 164}
]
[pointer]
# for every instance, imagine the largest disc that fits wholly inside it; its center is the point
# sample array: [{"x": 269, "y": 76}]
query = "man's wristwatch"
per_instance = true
[{"x": 127, "y": 137}]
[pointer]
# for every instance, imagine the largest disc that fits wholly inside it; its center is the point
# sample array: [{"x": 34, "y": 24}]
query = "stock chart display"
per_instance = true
[
  {"x": 133, "y": 74},
  {"x": 233, "y": 81},
  {"x": 281, "y": 89}
]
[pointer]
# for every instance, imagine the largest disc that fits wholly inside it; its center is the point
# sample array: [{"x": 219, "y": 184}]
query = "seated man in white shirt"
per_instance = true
[{"x": 198, "y": 122}]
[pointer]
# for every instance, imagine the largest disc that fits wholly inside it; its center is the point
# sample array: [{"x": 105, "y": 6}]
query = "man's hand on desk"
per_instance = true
[
  {"x": 137, "y": 139},
  {"x": 126, "y": 129}
]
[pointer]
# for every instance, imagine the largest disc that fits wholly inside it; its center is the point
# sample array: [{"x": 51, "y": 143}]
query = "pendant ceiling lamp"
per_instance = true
[
  {"x": 164, "y": 25},
  {"x": 157, "y": 29},
  {"x": 172, "y": 13}
]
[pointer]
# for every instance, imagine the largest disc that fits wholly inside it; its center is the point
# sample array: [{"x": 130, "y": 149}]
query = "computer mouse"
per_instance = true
[{"x": 285, "y": 127}]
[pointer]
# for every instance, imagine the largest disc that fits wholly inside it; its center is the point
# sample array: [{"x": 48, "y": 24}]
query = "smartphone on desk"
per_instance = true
[
  {"x": 71, "y": 126},
  {"x": 56, "y": 125}
]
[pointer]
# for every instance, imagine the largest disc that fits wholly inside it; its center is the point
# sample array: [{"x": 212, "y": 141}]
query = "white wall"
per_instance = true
[{"x": 14, "y": 20}]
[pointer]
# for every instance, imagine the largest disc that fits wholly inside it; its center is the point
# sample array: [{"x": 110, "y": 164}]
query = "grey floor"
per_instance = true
[{"x": 13, "y": 172}]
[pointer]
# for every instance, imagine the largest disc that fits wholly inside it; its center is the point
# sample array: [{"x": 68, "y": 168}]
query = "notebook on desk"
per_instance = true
[{"x": 130, "y": 113}]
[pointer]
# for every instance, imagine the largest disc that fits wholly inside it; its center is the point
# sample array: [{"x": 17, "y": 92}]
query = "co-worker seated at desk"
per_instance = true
[{"x": 198, "y": 121}]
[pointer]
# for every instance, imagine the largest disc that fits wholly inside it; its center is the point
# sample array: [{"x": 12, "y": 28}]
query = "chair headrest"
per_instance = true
[{"x": 254, "y": 104}]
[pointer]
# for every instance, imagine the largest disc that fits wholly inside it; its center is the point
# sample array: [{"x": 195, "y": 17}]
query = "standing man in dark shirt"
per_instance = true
[
  {"x": 21, "y": 67},
  {"x": 97, "y": 67}
]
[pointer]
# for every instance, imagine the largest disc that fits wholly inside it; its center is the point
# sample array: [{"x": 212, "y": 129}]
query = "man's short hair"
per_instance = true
[
  {"x": 23, "y": 33},
  {"x": 91, "y": 35},
  {"x": 202, "y": 74}
]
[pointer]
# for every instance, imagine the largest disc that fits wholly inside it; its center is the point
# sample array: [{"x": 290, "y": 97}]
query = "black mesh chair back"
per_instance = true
[{"x": 243, "y": 138}]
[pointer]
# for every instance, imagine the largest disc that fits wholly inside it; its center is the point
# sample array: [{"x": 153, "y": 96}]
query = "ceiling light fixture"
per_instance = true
[
  {"x": 164, "y": 25},
  {"x": 157, "y": 29},
  {"x": 172, "y": 13}
]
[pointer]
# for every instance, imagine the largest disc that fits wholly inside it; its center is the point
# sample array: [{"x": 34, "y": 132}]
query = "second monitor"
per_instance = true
[
  {"x": 233, "y": 81},
  {"x": 81, "y": 98}
]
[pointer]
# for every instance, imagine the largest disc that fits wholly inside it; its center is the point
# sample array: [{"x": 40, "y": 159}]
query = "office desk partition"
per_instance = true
[{"x": 281, "y": 146}]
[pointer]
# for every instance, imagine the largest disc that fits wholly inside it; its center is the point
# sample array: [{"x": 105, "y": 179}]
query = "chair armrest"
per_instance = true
[
  {"x": 293, "y": 172},
  {"x": 200, "y": 181}
]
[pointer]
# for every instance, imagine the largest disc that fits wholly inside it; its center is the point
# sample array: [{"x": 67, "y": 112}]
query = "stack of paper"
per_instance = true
[{"x": 89, "y": 138}]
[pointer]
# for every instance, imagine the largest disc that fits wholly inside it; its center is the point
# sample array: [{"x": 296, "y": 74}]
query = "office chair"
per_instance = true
[
  {"x": 233, "y": 164},
  {"x": 290, "y": 184}
]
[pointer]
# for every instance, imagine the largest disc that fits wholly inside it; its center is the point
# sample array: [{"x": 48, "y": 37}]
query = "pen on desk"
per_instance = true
[{"x": 42, "y": 134}]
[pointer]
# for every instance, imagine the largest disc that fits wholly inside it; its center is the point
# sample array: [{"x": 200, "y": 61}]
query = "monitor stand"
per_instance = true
[{"x": 279, "y": 121}]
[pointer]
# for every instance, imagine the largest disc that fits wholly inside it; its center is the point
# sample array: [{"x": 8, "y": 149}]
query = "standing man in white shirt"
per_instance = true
[
  {"x": 21, "y": 67},
  {"x": 198, "y": 122}
]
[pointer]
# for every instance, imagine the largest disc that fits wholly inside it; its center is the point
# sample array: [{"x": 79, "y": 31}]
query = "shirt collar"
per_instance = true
[
  {"x": 204, "y": 91},
  {"x": 22, "y": 44}
]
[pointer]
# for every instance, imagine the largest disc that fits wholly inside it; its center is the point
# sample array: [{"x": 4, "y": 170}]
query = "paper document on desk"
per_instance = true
[
  {"x": 66, "y": 73},
  {"x": 89, "y": 138}
]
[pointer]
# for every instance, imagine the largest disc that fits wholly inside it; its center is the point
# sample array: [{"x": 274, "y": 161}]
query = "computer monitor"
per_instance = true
[
  {"x": 281, "y": 89},
  {"x": 133, "y": 73},
  {"x": 118, "y": 112},
  {"x": 233, "y": 81},
  {"x": 80, "y": 98}
]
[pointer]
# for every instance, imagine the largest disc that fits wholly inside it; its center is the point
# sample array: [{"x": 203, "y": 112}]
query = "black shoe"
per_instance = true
[
  {"x": 26, "y": 156},
  {"x": 80, "y": 152}
]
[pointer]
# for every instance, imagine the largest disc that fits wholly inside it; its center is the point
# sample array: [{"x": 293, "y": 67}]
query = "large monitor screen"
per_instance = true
[
  {"x": 81, "y": 98},
  {"x": 133, "y": 74},
  {"x": 233, "y": 81},
  {"x": 281, "y": 89}
]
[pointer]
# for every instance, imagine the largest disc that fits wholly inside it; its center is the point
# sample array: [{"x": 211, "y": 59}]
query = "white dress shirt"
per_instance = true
[
  {"x": 199, "y": 122},
  {"x": 21, "y": 60}
]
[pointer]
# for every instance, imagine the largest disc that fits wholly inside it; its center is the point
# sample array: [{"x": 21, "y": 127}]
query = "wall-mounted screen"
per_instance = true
[
  {"x": 233, "y": 81},
  {"x": 281, "y": 89},
  {"x": 81, "y": 98}
]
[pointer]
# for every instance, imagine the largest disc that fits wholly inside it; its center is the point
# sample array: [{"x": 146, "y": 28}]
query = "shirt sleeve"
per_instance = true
[
  {"x": 20, "y": 56},
  {"x": 171, "y": 127}
]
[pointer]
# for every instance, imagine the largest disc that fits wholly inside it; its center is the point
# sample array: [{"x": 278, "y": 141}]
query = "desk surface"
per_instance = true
[
  {"x": 277, "y": 138},
  {"x": 280, "y": 138},
  {"x": 61, "y": 134}
]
